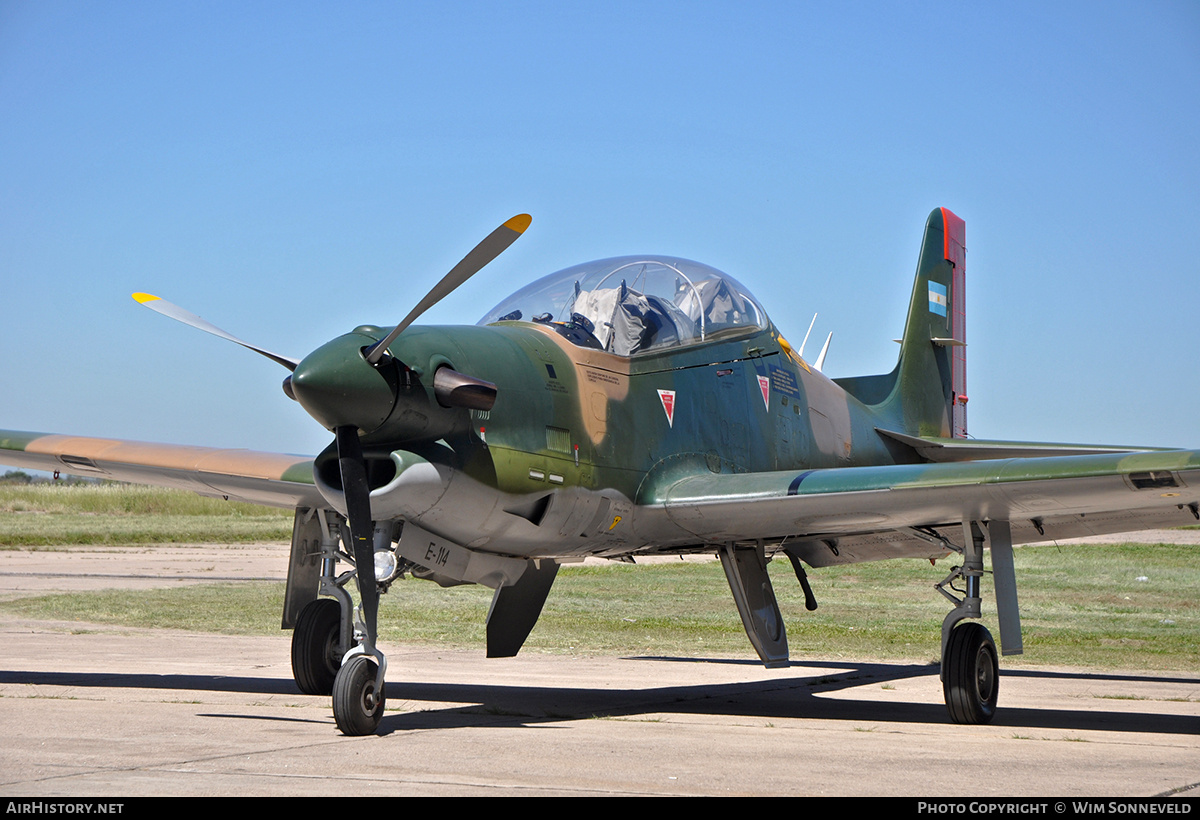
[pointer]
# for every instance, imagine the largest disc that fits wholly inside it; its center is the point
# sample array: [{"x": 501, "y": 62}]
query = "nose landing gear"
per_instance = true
[{"x": 358, "y": 696}]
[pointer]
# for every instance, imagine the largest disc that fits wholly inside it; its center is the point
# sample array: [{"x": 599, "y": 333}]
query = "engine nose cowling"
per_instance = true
[
  {"x": 412, "y": 394},
  {"x": 338, "y": 387}
]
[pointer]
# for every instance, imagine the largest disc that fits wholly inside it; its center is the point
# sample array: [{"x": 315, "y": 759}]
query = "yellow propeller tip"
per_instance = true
[
  {"x": 143, "y": 298},
  {"x": 519, "y": 223}
]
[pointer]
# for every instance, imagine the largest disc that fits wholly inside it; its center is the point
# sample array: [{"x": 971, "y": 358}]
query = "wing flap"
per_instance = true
[{"x": 245, "y": 475}]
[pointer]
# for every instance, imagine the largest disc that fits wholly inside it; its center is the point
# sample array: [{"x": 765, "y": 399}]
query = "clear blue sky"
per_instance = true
[{"x": 291, "y": 170}]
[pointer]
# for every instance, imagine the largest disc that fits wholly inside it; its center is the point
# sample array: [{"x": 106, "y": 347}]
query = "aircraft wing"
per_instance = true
[
  {"x": 852, "y": 514},
  {"x": 241, "y": 475}
]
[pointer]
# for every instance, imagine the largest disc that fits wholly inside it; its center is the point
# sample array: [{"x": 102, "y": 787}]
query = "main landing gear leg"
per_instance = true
[{"x": 970, "y": 668}]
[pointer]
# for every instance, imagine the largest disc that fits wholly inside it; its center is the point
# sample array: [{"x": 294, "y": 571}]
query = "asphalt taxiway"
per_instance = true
[{"x": 108, "y": 711}]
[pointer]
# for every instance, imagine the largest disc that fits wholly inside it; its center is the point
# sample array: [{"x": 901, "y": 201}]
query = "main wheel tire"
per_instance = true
[
  {"x": 971, "y": 674},
  {"x": 357, "y": 704},
  {"x": 315, "y": 655}
]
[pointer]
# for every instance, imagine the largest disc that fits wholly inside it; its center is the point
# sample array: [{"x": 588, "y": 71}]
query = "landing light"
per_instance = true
[{"x": 386, "y": 566}]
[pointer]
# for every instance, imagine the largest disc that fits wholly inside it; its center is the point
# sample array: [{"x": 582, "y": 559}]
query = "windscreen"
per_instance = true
[{"x": 631, "y": 304}]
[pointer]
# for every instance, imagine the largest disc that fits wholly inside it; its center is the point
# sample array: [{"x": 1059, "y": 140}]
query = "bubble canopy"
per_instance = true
[{"x": 635, "y": 304}]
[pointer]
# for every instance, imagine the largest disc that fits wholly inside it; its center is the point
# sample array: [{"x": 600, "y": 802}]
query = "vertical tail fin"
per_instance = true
[
  {"x": 926, "y": 394},
  {"x": 932, "y": 383}
]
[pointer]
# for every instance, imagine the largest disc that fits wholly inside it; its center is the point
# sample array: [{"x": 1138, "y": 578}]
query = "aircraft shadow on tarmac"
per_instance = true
[{"x": 796, "y": 695}]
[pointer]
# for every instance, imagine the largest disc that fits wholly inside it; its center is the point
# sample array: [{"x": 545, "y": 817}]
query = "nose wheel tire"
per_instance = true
[
  {"x": 357, "y": 702},
  {"x": 971, "y": 674},
  {"x": 315, "y": 655}
]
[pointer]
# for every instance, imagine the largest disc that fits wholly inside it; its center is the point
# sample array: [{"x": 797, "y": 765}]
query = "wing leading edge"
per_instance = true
[
  {"x": 242, "y": 475},
  {"x": 854, "y": 514}
]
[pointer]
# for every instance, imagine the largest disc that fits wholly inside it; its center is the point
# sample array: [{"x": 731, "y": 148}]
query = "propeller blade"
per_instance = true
[
  {"x": 454, "y": 389},
  {"x": 487, "y": 250},
  {"x": 159, "y": 305},
  {"x": 353, "y": 468}
]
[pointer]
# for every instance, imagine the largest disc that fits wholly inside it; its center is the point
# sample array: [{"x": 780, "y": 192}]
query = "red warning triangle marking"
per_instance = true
[
  {"x": 764, "y": 384},
  {"x": 667, "y": 397}
]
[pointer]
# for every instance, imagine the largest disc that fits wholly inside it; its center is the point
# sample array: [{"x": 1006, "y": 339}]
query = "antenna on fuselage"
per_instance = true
[
  {"x": 800, "y": 352},
  {"x": 821, "y": 359}
]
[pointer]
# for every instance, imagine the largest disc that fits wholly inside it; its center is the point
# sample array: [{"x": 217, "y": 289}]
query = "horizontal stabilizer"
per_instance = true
[{"x": 936, "y": 449}]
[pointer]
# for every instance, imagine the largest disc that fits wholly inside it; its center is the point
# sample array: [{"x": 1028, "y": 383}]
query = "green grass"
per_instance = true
[
  {"x": 1099, "y": 617},
  {"x": 46, "y": 515},
  {"x": 1082, "y": 605}
]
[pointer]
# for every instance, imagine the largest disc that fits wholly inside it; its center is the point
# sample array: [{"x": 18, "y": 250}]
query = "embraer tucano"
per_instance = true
[{"x": 632, "y": 406}]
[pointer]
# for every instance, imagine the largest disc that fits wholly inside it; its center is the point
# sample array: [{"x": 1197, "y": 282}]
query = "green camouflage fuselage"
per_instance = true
[{"x": 580, "y": 441}]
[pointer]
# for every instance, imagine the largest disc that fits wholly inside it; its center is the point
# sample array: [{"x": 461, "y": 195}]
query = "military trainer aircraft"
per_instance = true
[{"x": 636, "y": 406}]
